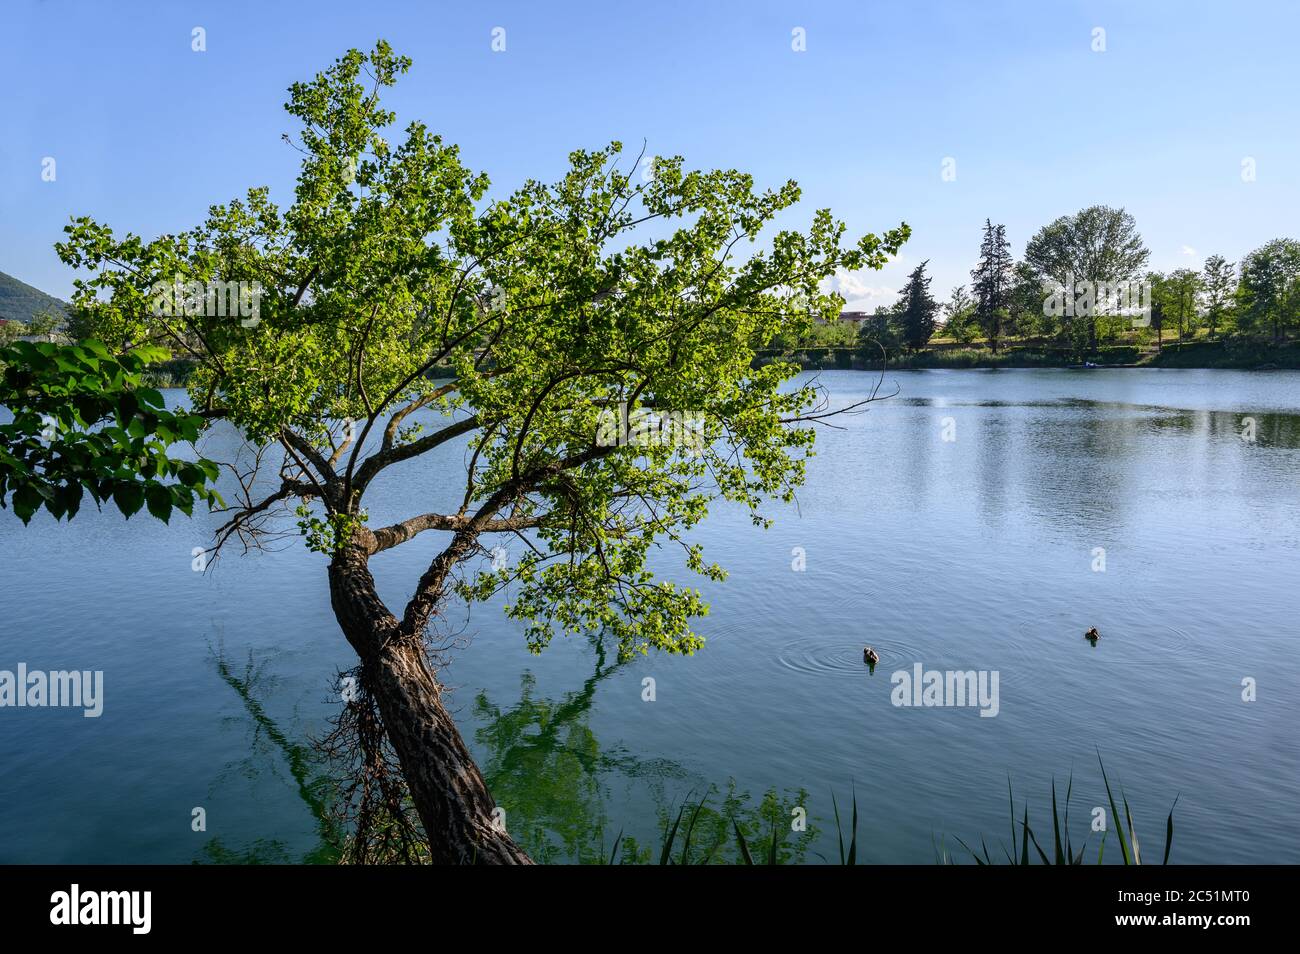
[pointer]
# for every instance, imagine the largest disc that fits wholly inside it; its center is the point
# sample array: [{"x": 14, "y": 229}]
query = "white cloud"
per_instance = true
[
  {"x": 1188, "y": 251},
  {"x": 858, "y": 293}
]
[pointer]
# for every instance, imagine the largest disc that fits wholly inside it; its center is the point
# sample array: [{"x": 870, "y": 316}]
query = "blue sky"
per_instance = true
[{"x": 147, "y": 133}]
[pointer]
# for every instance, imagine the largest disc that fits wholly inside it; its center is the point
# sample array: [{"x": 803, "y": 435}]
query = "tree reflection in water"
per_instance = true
[{"x": 547, "y": 770}]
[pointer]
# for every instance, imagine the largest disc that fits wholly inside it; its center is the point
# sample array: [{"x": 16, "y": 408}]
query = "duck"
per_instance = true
[
  {"x": 870, "y": 656},
  {"x": 1092, "y": 634}
]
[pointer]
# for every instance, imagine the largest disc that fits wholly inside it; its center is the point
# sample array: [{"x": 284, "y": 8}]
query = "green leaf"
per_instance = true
[
  {"x": 192, "y": 475},
  {"x": 27, "y": 500},
  {"x": 159, "y": 500},
  {"x": 69, "y": 497},
  {"x": 129, "y": 497},
  {"x": 183, "y": 499}
]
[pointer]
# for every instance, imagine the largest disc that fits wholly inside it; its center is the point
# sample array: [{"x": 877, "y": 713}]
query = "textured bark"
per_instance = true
[{"x": 446, "y": 786}]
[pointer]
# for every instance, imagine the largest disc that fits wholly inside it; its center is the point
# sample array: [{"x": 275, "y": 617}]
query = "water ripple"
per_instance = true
[{"x": 819, "y": 656}]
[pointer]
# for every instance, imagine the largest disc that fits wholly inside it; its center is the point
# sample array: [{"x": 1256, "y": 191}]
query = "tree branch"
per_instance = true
[{"x": 385, "y": 538}]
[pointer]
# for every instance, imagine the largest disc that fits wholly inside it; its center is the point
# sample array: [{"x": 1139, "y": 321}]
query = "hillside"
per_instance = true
[{"x": 20, "y": 301}]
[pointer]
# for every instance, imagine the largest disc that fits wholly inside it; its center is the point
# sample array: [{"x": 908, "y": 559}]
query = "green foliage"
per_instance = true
[
  {"x": 992, "y": 281},
  {"x": 959, "y": 317},
  {"x": 1218, "y": 288},
  {"x": 879, "y": 336},
  {"x": 1097, "y": 244},
  {"x": 328, "y": 534},
  {"x": 83, "y": 423},
  {"x": 1268, "y": 295},
  {"x": 917, "y": 309},
  {"x": 1178, "y": 293}
]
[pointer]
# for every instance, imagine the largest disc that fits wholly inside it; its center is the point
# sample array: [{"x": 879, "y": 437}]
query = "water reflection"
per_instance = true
[
  {"x": 313, "y": 786},
  {"x": 544, "y": 767},
  {"x": 547, "y": 770}
]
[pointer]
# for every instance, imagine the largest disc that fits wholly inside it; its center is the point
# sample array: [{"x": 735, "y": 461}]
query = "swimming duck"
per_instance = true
[
  {"x": 870, "y": 656},
  {"x": 1092, "y": 634}
]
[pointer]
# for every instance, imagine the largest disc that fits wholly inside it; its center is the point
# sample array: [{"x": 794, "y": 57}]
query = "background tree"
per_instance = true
[
  {"x": 1159, "y": 295},
  {"x": 1025, "y": 310},
  {"x": 917, "y": 309},
  {"x": 1181, "y": 289},
  {"x": 1267, "y": 293},
  {"x": 879, "y": 333},
  {"x": 992, "y": 281},
  {"x": 832, "y": 338},
  {"x": 44, "y": 325},
  {"x": 550, "y": 318},
  {"x": 959, "y": 314},
  {"x": 1098, "y": 244},
  {"x": 1218, "y": 290}
]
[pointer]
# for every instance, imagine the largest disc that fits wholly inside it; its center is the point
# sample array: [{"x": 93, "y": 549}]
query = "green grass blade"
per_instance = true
[
  {"x": 1059, "y": 850},
  {"x": 1069, "y": 848},
  {"x": 1132, "y": 829},
  {"x": 1034, "y": 839},
  {"x": 1011, "y": 800},
  {"x": 666, "y": 851},
  {"x": 1114, "y": 814},
  {"x": 740, "y": 841},
  {"x": 1169, "y": 831},
  {"x": 853, "y": 843},
  {"x": 1024, "y": 840},
  {"x": 973, "y": 854},
  {"x": 839, "y": 829},
  {"x": 690, "y": 829}
]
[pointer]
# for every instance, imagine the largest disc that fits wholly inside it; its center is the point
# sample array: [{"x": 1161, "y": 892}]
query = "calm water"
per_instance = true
[{"x": 975, "y": 553}]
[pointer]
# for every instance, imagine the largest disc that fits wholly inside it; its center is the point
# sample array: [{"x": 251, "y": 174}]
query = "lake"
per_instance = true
[{"x": 977, "y": 520}]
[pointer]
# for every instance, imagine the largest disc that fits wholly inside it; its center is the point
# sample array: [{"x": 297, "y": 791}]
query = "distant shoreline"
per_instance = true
[
  {"x": 1199, "y": 355},
  {"x": 1202, "y": 355}
]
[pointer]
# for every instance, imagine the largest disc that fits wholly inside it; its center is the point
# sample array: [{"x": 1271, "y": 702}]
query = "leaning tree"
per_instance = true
[{"x": 401, "y": 312}]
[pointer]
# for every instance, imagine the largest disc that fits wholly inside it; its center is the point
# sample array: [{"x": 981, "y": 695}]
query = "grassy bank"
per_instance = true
[{"x": 1240, "y": 355}]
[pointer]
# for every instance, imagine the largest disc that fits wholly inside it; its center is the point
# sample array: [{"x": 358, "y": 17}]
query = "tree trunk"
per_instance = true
[{"x": 446, "y": 786}]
